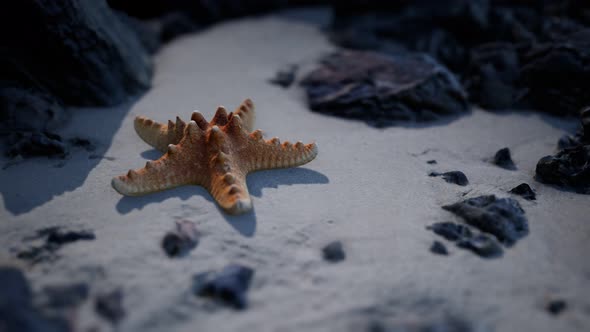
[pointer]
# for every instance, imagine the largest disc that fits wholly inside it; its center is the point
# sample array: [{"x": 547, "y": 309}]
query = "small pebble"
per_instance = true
[
  {"x": 504, "y": 159},
  {"x": 181, "y": 240},
  {"x": 334, "y": 252},
  {"x": 229, "y": 286},
  {"x": 438, "y": 248},
  {"x": 525, "y": 191},
  {"x": 456, "y": 177},
  {"x": 556, "y": 307}
]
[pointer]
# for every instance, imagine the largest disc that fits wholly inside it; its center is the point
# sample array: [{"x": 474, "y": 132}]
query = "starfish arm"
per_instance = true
[
  {"x": 231, "y": 192},
  {"x": 246, "y": 112},
  {"x": 260, "y": 154},
  {"x": 172, "y": 170},
  {"x": 159, "y": 135}
]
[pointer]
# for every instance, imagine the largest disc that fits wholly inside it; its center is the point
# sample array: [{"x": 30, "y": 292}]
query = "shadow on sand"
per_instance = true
[
  {"x": 245, "y": 224},
  {"x": 33, "y": 182}
]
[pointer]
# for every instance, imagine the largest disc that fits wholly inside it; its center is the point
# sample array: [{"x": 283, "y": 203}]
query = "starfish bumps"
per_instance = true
[{"x": 216, "y": 155}]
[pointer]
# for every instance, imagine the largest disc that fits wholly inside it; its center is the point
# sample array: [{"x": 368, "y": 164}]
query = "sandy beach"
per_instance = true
[{"x": 368, "y": 188}]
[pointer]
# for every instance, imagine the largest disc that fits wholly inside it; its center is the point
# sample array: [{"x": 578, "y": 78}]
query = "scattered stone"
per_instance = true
[
  {"x": 82, "y": 143},
  {"x": 285, "y": 77},
  {"x": 431, "y": 162},
  {"x": 482, "y": 245},
  {"x": 450, "y": 230},
  {"x": 556, "y": 307},
  {"x": 35, "y": 144},
  {"x": 381, "y": 89},
  {"x": 110, "y": 306},
  {"x": 17, "y": 312},
  {"x": 502, "y": 217},
  {"x": 456, "y": 177},
  {"x": 66, "y": 296},
  {"x": 53, "y": 238},
  {"x": 525, "y": 191},
  {"x": 503, "y": 159},
  {"x": 229, "y": 286},
  {"x": 334, "y": 252},
  {"x": 181, "y": 240},
  {"x": 438, "y": 248}
]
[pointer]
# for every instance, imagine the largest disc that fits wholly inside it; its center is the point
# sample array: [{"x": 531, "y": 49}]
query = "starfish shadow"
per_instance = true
[
  {"x": 151, "y": 154},
  {"x": 245, "y": 224}
]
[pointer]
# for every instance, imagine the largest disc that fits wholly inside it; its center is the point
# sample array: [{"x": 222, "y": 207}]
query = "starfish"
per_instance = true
[{"x": 216, "y": 155}]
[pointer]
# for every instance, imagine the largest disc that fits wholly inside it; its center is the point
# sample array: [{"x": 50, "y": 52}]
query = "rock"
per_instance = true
[
  {"x": 450, "y": 230},
  {"x": 456, "y": 177},
  {"x": 481, "y": 244},
  {"x": 29, "y": 109},
  {"x": 334, "y": 252},
  {"x": 502, "y": 217},
  {"x": 381, "y": 89},
  {"x": 17, "y": 312},
  {"x": 52, "y": 239},
  {"x": 110, "y": 306},
  {"x": 285, "y": 77},
  {"x": 90, "y": 57},
  {"x": 182, "y": 240},
  {"x": 229, "y": 286},
  {"x": 503, "y": 159},
  {"x": 438, "y": 248},
  {"x": 34, "y": 144},
  {"x": 555, "y": 73},
  {"x": 66, "y": 296},
  {"x": 431, "y": 162},
  {"x": 525, "y": 191},
  {"x": 570, "y": 167},
  {"x": 556, "y": 307},
  {"x": 492, "y": 75}
]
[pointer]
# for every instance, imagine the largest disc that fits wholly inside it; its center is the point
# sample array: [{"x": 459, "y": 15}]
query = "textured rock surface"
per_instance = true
[
  {"x": 89, "y": 57},
  {"x": 503, "y": 159},
  {"x": 570, "y": 167},
  {"x": 380, "y": 88},
  {"x": 502, "y": 217}
]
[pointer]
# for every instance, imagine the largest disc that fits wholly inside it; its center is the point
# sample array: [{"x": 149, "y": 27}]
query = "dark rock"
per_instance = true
[
  {"x": 34, "y": 144},
  {"x": 89, "y": 56},
  {"x": 554, "y": 74},
  {"x": 570, "y": 167},
  {"x": 147, "y": 34},
  {"x": 556, "y": 307},
  {"x": 285, "y": 77},
  {"x": 17, "y": 312},
  {"x": 456, "y": 177},
  {"x": 503, "y": 159},
  {"x": 182, "y": 240},
  {"x": 438, "y": 248},
  {"x": 450, "y": 230},
  {"x": 66, "y": 296},
  {"x": 482, "y": 245},
  {"x": 83, "y": 143},
  {"x": 525, "y": 191},
  {"x": 228, "y": 286},
  {"x": 431, "y": 162},
  {"x": 110, "y": 306},
  {"x": 493, "y": 72},
  {"x": 29, "y": 109},
  {"x": 53, "y": 238},
  {"x": 334, "y": 252},
  {"x": 502, "y": 217},
  {"x": 381, "y": 89}
]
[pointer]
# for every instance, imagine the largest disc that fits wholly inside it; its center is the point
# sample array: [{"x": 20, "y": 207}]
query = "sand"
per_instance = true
[{"x": 367, "y": 188}]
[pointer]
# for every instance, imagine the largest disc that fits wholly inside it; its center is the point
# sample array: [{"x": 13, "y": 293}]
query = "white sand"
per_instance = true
[{"x": 368, "y": 188}]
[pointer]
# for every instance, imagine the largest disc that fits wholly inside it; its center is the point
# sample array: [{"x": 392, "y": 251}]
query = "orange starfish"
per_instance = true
[{"x": 216, "y": 155}]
